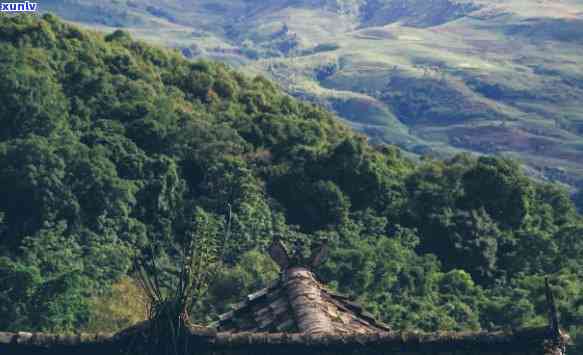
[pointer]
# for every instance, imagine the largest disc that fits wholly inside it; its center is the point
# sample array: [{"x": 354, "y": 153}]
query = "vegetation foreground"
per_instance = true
[{"x": 112, "y": 150}]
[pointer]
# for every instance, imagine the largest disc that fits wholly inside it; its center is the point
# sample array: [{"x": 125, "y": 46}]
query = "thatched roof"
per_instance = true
[
  {"x": 299, "y": 303},
  {"x": 209, "y": 341}
]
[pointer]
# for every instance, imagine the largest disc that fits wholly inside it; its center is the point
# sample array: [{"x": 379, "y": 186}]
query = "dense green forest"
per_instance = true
[{"x": 111, "y": 149}]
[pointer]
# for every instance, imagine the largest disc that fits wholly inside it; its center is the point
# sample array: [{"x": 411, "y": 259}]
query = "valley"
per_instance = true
[{"x": 433, "y": 77}]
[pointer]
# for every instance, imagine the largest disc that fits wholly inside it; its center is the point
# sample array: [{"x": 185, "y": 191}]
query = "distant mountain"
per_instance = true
[{"x": 434, "y": 77}]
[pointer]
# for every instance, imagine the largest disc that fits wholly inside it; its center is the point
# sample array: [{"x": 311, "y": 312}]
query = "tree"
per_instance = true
[
  {"x": 32, "y": 101},
  {"x": 501, "y": 188},
  {"x": 467, "y": 240}
]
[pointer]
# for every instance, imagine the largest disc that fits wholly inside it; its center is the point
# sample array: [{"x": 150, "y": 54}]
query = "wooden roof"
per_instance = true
[
  {"x": 298, "y": 303},
  {"x": 203, "y": 341},
  {"x": 273, "y": 310}
]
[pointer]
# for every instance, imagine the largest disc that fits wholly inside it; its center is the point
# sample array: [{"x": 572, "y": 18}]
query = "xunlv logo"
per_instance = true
[{"x": 18, "y": 6}]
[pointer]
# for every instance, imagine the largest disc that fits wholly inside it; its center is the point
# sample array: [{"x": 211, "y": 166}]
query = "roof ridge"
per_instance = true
[
  {"x": 304, "y": 293},
  {"x": 522, "y": 340}
]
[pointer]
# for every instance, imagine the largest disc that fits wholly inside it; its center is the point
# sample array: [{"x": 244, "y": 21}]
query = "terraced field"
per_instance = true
[{"x": 433, "y": 76}]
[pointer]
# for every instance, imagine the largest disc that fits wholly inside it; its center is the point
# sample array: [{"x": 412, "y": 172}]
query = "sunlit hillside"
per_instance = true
[{"x": 435, "y": 77}]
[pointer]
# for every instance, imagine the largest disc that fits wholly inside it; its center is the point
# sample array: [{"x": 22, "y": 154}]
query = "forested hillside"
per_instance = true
[{"x": 112, "y": 149}]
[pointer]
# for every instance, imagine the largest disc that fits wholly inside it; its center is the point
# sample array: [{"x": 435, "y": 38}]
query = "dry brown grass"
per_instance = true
[{"x": 124, "y": 306}]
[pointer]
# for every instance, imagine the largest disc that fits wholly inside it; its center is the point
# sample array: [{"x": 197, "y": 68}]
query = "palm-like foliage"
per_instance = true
[{"x": 171, "y": 303}]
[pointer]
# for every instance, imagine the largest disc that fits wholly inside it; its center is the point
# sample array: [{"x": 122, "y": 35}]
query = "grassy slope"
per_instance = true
[{"x": 442, "y": 76}]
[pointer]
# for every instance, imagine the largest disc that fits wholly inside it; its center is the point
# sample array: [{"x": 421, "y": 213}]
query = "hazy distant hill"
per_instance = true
[{"x": 435, "y": 76}]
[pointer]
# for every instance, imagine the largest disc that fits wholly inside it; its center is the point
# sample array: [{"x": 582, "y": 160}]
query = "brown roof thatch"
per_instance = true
[
  {"x": 299, "y": 303},
  {"x": 209, "y": 341}
]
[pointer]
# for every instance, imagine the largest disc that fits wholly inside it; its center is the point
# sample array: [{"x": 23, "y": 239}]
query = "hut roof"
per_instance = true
[
  {"x": 271, "y": 310},
  {"x": 298, "y": 302}
]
